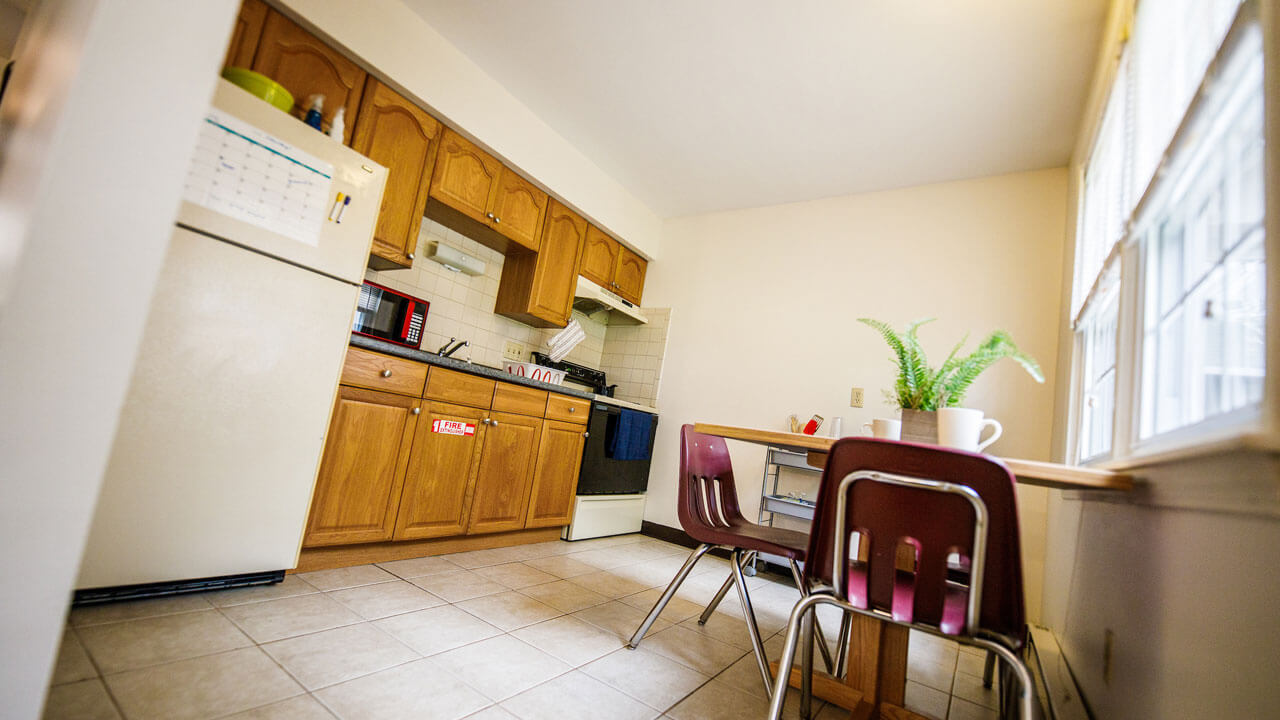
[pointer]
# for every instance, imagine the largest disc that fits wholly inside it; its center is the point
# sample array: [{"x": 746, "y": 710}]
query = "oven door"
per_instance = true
[{"x": 601, "y": 474}]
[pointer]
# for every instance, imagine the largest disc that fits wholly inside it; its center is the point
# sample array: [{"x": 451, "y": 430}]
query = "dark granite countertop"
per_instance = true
[{"x": 431, "y": 358}]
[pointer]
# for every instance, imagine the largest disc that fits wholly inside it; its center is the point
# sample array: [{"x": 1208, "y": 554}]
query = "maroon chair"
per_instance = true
[
  {"x": 707, "y": 505},
  {"x": 940, "y": 502}
]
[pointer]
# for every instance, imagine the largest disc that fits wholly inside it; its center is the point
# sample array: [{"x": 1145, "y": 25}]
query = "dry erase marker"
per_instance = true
[
  {"x": 343, "y": 209},
  {"x": 337, "y": 205}
]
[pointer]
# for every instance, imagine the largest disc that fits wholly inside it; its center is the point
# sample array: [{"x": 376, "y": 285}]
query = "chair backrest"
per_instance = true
[
  {"x": 936, "y": 523},
  {"x": 708, "y": 501}
]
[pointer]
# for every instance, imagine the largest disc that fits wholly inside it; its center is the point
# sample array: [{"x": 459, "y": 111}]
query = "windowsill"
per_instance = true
[{"x": 1259, "y": 442}]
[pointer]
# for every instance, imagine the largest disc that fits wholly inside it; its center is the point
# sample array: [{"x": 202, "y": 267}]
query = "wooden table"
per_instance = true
[{"x": 875, "y": 684}]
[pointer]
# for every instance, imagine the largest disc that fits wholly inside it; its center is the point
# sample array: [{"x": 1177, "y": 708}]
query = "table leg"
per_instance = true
[{"x": 877, "y": 660}]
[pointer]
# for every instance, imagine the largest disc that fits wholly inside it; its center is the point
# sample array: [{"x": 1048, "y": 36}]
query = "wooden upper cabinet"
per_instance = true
[
  {"x": 465, "y": 177},
  {"x": 442, "y": 471},
  {"x": 398, "y": 134},
  {"x": 613, "y": 267},
  {"x": 555, "y": 477},
  {"x": 518, "y": 209},
  {"x": 599, "y": 257},
  {"x": 305, "y": 66},
  {"x": 628, "y": 280},
  {"x": 246, "y": 34},
  {"x": 357, "y": 492},
  {"x": 501, "y": 496},
  {"x": 537, "y": 289}
]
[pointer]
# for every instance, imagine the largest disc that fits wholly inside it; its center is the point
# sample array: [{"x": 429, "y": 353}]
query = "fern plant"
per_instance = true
[{"x": 921, "y": 387}]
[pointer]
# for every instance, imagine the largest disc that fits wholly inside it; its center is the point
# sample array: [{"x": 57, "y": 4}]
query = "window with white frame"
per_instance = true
[{"x": 1172, "y": 205}]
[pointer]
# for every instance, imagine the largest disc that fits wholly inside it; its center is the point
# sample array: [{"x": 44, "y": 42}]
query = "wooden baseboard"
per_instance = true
[{"x": 337, "y": 556}]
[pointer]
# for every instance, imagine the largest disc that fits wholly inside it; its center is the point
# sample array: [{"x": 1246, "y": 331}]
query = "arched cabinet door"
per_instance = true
[
  {"x": 395, "y": 133},
  {"x": 465, "y": 177},
  {"x": 305, "y": 66},
  {"x": 518, "y": 209}
]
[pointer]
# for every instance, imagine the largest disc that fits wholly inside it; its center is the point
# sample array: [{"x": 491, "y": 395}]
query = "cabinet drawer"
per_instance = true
[
  {"x": 456, "y": 387},
  {"x": 517, "y": 399},
  {"x": 568, "y": 409},
  {"x": 383, "y": 372}
]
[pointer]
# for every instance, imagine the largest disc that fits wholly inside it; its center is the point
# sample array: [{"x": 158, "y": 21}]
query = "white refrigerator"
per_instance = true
[{"x": 210, "y": 478}]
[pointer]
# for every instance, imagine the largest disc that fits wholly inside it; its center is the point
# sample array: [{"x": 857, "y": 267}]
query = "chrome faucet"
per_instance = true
[{"x": 453, "y": 346}]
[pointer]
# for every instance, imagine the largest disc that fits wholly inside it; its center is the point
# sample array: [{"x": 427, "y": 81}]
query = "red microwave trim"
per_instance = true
[{"x": 414, "y": 303}]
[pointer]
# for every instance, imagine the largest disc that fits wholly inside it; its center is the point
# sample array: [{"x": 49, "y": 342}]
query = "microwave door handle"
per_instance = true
[{"x": 408, "y": 317}]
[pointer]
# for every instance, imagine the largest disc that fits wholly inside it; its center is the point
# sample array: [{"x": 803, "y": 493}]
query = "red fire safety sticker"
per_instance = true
[{"x": 453, "y": 427}]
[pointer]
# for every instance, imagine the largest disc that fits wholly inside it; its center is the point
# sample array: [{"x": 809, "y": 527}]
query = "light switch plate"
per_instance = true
[
  {"x": 513, "y": 351},
  {"x": 855, "y": 397}
]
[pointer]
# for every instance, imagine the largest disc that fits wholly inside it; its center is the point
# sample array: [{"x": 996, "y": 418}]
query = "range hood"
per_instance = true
[{"x": 591, "y": 299}]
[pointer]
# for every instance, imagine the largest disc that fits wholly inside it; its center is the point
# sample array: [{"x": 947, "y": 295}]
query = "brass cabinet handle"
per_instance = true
[
  {"x": 586, "y": 434},
  {"x": 415, "y": 411},
  {"x": 573, "y": 409},
  {"x": 410, "y": 256},
  {"x": 497, "y": 220},
  {"x": 489, "y": 215},
  {"x": 386, "y": 373},
  {"x": 493, "y": 423}
]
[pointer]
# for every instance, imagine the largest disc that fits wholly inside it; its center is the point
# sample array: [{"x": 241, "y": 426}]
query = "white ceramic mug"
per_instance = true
[
  {"x": 961, "y": 428},
  {"x": 883, "y": 428}
]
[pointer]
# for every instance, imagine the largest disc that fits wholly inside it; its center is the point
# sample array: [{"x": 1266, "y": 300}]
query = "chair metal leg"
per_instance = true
[
  {"x": 778, "y": 695},
  {"x": 842, "y": 647},
  {"x": 803, "y": 587},
  {"x": 670, "y": 592},
  {"x": 806, "y": 663},
  {"x": 724, "y": 589},
  {"x": 988, "y": 671},
  {"x": 757, "y": 645},
  {"x": 1025, "y": 697}
]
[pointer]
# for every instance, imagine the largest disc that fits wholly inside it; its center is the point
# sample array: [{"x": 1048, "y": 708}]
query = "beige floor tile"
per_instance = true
[
  {"x": 509, "y": 610},
  {"x": 572, "y": 640},
  {"x": 972, "y": 664},
  {"x": 969, "y": 687},
  {"x": 927, "y": 672},
  {"x": 501, "y": 666},
  {"x": 203, "y": 687},
  {"x": 333, "y": 656},
  {"x": 83, "y": 700},
  {"x": 745, "y": 676},
  {"x": 73, "y": 662},
  {"x": 720, "y": 701},
  {"x": 302, "y": 707},
  {"x": 481, "y": 558},
  {"x": 539, "y": 550},
  {"x": 561, "y": 566},
  {"x": 663, "y": 547},
  {"x": 676, "y": 611},
  {"x": 289, "y": 617},
  {"x": 458, "y": 586},
  {"x": 604, "y": 558},
  {"x": 372, "y": 602},
  {"x": 610, "y": 541},
  {"x": 970, "y": 649},
  {"x": 493, "y": 712},
  {"x": 564, "y": 595},
  {"x": 291, "y": 586},
  {"x": 965, "y": 710},
  {"x": 116, "y": 647},
  {"x": 515, "y": 575},
  {"x": 927, "y": 701},
  {"x": 608, "y": 584},
  {"x": 648, "y": 677},
  {"x": 419, "y": 567},
  {"x": 620, "y": 619},
  {"x": 421, "y": 690},
  {"x": 346, "y": 577},
  {"x": 652, "y": 574},
  {"x": 576, "y": 696},
  {"x": 693, "y": 649},
  {"x": 931, "y": 647},
  {"x": 133, "y": 610},
  {"x": 437, "y": 629},
  {"x": 725, "y": 628}
]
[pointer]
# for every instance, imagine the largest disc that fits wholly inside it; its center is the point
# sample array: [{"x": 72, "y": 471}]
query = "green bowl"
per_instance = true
[{"x": 261, "y": 86}]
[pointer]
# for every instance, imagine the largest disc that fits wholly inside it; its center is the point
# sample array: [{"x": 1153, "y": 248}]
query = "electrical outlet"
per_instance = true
[
  {"x": 512, "y": 350},
  {"x": 855, "y": 397}
]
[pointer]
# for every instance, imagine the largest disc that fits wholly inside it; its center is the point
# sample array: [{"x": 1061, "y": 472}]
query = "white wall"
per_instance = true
[
  {"x": 398, "y": 44},
  {"x": 764, "y": 303},
  {"x": 82, "y": 236}
]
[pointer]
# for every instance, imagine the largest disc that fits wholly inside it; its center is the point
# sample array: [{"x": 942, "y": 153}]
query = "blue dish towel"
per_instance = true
[{"x": 630, "y": 439}]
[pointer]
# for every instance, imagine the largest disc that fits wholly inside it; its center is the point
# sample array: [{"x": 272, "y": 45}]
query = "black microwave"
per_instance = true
[{"x": 385, "y": 314}]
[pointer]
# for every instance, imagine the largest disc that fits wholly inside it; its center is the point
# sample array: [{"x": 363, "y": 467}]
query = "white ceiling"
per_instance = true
[{"x": 703, "y": 105}]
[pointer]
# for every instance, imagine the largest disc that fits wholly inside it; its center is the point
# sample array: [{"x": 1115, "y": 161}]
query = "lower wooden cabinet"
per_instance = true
[
  {"x": 436, "y": 501},
  {"x": 555, "y": 476},
  {"x": 505, "y": 473},
  {"x": 357, "y": 491}
]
